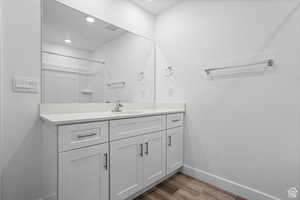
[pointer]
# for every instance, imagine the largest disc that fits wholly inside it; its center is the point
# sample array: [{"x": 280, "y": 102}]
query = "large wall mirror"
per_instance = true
[{"x": 87, "y": 60}]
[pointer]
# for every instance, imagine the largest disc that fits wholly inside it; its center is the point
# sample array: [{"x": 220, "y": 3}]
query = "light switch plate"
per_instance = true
[{"x": 25, "y": 84}]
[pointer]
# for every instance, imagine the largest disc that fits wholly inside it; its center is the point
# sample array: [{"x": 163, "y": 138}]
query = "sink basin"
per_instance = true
[{"x": 127, "y": 112}]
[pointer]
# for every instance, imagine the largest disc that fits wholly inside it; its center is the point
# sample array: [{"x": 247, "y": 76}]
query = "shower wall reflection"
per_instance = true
[{"x": 87, "y": 60}]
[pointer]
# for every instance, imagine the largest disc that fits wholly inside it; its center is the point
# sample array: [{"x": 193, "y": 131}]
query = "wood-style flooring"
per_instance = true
[{"x": 182, "y": 187}]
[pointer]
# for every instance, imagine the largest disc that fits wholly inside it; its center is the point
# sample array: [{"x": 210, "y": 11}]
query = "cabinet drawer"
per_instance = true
[
  {"x": 81, "y": 135},
  {"x": 125, "y": 128},
  {"x": 174, "y": 120}
]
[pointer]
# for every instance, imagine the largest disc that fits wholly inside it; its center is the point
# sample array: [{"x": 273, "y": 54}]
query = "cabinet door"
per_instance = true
[
  {"x": 83, "y": 174},
  {"x": 154, "y": 157},
  {"x": 126, "y": 167},
  {"x": 174, "y": 149}
]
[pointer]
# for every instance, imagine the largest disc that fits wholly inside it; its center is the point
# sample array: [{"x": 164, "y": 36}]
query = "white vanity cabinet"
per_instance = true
[
  {"x": 76, "y": 161},
  {"x": 83, "y": 174},
  {"x": 83, "y": 165},
  {"x": 174, "y": 142},
  {"x": 154, "y": 157},
  {"x": 124, "y": 128},
  {"x": 126, "y": 168},
  {"x": 114, "y": 159},
  {"x": 136, "y": 163},
  {"x": 174, "y": 149},
  {"x": 82, "y": 135}
]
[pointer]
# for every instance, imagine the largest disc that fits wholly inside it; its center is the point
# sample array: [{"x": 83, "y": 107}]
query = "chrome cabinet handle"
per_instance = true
[
  {"x": 170, "y": 141},
  {"x": 106, "y": 161},
  {"x": 141, "y": 150},
  {"x": 86, "y": 136},
  {"x": 176, "y": 120},
  {"x": 147, "y": 148}
]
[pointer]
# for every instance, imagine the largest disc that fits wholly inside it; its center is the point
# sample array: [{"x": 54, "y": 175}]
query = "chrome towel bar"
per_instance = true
[{"x": 269, "y": 62}]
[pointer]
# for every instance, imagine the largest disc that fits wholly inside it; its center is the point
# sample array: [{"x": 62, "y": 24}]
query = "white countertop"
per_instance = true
[{"x": 71, "y": 118}]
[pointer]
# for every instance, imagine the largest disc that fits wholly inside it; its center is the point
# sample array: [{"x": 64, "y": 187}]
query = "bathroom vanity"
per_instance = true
[
  {"x": 105, "y": 155},
  {"x": 89, "y": 151}
]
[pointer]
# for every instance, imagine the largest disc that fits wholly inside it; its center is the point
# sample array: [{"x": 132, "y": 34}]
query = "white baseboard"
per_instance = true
[{"x": 227, "y": 185}]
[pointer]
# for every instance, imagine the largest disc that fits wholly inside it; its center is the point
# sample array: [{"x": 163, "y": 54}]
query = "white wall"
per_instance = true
[
  {"x": 21, "y": 56},
  {"x": 1, "y": 97},
  {"x": 119, "y": 12},
  {"x": 243, "y": 129}
]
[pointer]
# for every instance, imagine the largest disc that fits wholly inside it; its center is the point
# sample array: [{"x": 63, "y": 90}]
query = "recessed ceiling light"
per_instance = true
[
  {"x": 149, "y": 0},
  {"x": 67, "y": 41},
  {"x": 90, "y": 19}
]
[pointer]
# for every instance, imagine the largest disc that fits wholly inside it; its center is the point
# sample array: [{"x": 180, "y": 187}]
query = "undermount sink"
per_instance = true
[{"x": 128, "y": 112}]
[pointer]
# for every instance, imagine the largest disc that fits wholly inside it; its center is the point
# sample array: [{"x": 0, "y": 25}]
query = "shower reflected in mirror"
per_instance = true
[{"x": 87, "y": 60}]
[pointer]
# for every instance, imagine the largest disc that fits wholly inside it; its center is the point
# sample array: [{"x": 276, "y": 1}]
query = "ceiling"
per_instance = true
[
  {"x": 61, "y": 22},
  {"x": 156, "y": 6}
]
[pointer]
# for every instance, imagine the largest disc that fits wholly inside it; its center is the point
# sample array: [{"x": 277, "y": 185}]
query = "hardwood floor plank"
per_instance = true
[
  {"x": 158, "y": 196},
  {"x": 182, "y": 187},
  {"x": 167, "y": 187},
  {"x": 163, "y": 193}
]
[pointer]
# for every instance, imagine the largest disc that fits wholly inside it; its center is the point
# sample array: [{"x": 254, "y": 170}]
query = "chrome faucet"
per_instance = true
[{"x": 117, "y": 107}]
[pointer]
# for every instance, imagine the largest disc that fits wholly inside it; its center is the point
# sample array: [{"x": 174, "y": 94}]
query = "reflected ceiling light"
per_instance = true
[
  {"x": 149, "y": 0},
  {"x": 67, "y": 41},
  {"x": 90, "y": 19}
]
